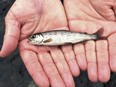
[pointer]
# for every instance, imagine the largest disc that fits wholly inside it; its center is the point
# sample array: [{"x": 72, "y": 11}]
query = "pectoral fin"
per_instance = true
[{"x": 48, "y": 40}]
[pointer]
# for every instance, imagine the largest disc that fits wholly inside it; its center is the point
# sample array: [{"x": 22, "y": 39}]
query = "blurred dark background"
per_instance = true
[{"x": 13, "y": 72}]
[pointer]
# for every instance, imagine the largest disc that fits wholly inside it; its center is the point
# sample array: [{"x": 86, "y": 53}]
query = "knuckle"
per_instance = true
[
  {"x": 102, "y": 45},
  {"x": 69, "y": 55},
  {"x": 51, "y": 70},
  {"x": 90, "y": 46},
  {"x": 62, "y": 67},
  {"x": 79, "y": 48}
]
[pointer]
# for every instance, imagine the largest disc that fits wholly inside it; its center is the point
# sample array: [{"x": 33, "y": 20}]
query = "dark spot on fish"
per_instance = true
[
  {"x": 33, "y": 36},
  {"x": 48, "y": 40}
]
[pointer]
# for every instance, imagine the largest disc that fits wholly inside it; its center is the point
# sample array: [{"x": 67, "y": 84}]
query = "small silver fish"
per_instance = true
[{"x": 60, "y": 37}]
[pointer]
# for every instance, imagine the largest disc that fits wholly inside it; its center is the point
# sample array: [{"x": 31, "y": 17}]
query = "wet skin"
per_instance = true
[{"x": 53, "y": 65}]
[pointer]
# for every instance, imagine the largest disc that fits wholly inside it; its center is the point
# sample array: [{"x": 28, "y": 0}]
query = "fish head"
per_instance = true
[{"x": 35, "y": 39}]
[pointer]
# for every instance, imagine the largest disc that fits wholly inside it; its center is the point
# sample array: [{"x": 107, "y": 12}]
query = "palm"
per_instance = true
[
  {"x": 88, "y": 19},
  {"x": 90, "y": 16},
  {"x": 31, "y": 16},
  {"x": 37, "y": 19},
  {"x": 44, "y": 20}
]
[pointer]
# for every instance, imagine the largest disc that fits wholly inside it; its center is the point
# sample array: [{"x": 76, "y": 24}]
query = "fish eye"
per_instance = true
[{"x": 33, "y": 36}]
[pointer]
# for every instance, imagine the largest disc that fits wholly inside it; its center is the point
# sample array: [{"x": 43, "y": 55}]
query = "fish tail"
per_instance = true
[
  {"x": 98, "y": 37},
  {"x": 95, "y": 37},
  {"x": 99, "y": 34}
]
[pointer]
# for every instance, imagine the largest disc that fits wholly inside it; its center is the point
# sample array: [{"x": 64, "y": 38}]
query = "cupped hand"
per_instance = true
[
  {"x": 89, "y": 16},
  {"x": 46, "y": 65}
]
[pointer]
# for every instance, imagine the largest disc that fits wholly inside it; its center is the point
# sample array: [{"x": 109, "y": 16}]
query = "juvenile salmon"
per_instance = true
[{"x": 60, "y": 37}]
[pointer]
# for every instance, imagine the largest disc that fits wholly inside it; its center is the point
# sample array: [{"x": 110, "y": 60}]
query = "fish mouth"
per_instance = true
[{"x": 30, "y": 42}]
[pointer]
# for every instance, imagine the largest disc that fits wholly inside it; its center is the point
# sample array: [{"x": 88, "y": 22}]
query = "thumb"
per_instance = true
[{"x": 11, "y": 36}]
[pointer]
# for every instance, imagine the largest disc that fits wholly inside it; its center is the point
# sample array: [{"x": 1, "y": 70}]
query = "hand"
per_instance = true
[
  {"x": 89, "y": 16},
  {"x": 46, "y": 65}
]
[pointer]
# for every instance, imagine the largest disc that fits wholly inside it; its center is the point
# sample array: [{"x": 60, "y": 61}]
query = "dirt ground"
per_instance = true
[{"x": 13, "y": 72}]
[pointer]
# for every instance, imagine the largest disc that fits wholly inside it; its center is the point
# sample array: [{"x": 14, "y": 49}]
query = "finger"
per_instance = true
[
  {"x": 71, "y": 60},
  {"x": 11, "y": 37},
  {"x": 103, "y": 60},
  {"x": 51, "y": 70},
  {"x": 33, "y": 66},
  {"x": 80, "y": 56},
  {"x": 62, "y": 66},
  {"x": 91, "y": 59},
  {"x": 112, "y": 51}
]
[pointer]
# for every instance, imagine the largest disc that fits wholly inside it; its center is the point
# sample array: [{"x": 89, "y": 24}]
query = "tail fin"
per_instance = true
[
  {"x": 94, "y": 37},
  {"x": 99, "y": 34}
]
